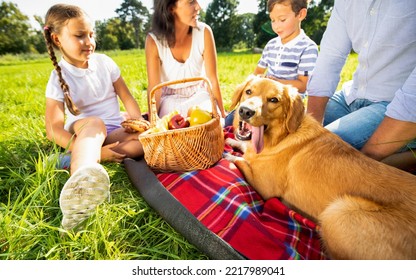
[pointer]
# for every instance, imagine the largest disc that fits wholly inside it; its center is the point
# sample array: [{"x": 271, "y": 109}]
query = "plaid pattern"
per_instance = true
[{"x": 222, "y": 200}]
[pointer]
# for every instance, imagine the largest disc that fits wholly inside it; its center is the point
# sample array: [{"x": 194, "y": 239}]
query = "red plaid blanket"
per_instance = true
[{"x": 221, "y": 199}]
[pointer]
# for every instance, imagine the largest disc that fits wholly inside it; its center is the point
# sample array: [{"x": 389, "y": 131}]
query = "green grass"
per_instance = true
[{"x": 123, "y": 228}]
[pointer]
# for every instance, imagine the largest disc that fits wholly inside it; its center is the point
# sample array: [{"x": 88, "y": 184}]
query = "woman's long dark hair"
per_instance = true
[{"x": 163, "y": 21}]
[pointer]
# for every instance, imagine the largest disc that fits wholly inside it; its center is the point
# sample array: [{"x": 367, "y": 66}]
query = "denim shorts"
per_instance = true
[{"x": 356, "y": 122}]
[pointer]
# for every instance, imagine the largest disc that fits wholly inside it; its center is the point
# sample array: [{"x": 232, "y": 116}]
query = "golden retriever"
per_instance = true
[{"x": 365, "y": 209}]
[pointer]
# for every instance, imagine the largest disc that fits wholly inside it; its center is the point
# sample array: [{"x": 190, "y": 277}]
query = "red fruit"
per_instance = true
[{"x": 177, "y": 121}]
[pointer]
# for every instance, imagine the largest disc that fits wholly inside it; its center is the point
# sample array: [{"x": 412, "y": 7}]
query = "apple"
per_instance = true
[
  {"x": 198, "y": 116},
  {"x": 177, "y": 121}
]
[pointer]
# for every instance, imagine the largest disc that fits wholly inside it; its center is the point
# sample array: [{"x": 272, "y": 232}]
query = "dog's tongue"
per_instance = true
[{"x": 257, "y": 138}]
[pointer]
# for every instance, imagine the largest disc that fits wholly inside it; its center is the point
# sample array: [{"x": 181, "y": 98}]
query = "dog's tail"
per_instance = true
[{"x": 357, "y": 228}]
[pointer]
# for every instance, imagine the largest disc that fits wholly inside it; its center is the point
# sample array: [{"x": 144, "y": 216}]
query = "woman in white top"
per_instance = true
[{"x": 179, "y": 47}]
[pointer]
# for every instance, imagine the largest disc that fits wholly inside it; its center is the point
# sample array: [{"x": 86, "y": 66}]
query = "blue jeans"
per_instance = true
[
  {"x": 355, "y": 123},
  {"x": 229, "y": 119}
]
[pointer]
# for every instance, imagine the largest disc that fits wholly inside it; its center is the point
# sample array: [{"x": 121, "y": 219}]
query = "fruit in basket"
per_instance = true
[
  {"x": 162, "y": 124},
  {"x": 177, "y": 121},
  {"x": 198, "y": 116}
]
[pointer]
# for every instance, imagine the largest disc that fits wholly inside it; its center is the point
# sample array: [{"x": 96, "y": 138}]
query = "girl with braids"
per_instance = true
[{"x": 83, "y": 113}]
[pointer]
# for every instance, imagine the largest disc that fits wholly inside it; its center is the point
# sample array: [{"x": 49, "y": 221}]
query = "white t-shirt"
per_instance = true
[{"x": 91, "y": 89}]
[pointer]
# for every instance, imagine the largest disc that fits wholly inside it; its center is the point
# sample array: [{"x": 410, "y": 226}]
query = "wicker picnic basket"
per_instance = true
[{"x": 185, "y": 149}]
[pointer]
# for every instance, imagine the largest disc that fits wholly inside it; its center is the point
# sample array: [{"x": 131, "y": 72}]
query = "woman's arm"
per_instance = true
[
  {"x": 210, "y": 58},
  {"x": 153, "y": 70}
]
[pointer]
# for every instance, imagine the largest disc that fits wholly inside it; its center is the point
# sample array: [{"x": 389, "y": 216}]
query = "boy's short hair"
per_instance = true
[{"x": 296, "y": 5}]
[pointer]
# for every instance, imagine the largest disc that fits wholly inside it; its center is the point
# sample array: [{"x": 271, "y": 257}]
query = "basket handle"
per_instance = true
[{"x": 153, "y": 110}]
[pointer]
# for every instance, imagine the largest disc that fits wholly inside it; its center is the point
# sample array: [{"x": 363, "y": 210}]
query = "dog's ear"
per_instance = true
[
  {"x": 296, "y": 109},
  {"x": 238, "y": 92}
]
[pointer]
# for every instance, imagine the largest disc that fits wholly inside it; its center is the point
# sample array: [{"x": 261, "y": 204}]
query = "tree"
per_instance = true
[
  {"x": 107, "y": 34},
  {"x": 37, "y": 40},
  {"x": 261, "y": 25},
  {"x": 112, "y": 34},
  {"x": 317, "y": 19},
  {"x": 245, "y": 34},
  {"x": 14, "y": 29},
  {"x": 134, "y": 13},
  {"x": 221, "y": 16}
]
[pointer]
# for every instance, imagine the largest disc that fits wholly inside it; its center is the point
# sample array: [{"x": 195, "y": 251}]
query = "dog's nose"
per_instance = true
[{"x": 245, "y": 112}]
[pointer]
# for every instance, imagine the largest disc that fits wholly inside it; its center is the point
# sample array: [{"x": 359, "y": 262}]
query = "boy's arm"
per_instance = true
[
  {"x": 259, "y": 70},
  {"x": 300, "y": 83}
]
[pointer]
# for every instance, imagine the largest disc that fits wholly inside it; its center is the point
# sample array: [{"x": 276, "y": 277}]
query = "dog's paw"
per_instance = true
[
  {"x": 230, "y": 157},
  {"x": 231, "y": 142},
  {"x": 235, "y": 144}
]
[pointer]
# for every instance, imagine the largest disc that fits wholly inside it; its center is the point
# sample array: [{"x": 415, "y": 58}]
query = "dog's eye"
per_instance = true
[
  {"x": 273, "y": 100},
  {"x": 248, "y": 91}
]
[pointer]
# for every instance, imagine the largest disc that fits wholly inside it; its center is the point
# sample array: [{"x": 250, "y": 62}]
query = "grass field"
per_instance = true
[{"x": 123, "y": 228}]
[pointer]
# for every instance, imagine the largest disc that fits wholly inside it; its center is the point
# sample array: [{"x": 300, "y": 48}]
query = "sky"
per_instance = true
[{"x": 102, "y": 9}]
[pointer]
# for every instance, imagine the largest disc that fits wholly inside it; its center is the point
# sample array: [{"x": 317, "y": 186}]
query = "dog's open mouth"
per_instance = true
[
  {"x": 244, "y": 131},
  {"x": 255, "y": 134}
]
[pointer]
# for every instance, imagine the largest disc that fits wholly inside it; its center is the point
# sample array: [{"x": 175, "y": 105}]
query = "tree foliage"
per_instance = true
[
  {"x": 110, "y": 35},
  {"x": 245, "y": 36},
  {"x": 128, "y": 30},
  {"x": 221, "y": 16},
  {"x": 134, "y": 13},
  {"x": 14, "y": 29},
  {"x": 260, "y": 23},
  {"x": 317, "y": 19}
]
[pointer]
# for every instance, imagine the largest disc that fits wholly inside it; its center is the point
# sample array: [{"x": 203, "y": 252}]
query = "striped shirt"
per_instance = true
[{"x": 288, "y": 61}]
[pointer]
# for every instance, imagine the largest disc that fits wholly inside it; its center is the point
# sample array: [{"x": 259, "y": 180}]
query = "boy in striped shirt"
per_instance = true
[{"x": 290, "y": 57}]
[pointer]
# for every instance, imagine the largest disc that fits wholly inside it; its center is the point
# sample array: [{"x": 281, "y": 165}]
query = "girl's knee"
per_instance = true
[{"x": 95, "y": 123}]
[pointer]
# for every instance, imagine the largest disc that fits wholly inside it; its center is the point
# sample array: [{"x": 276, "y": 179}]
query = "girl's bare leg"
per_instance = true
[
  {"x": 90, "y": 135},
  {"x": 89, "y": 184},
  {"x": 129, "y": 143}
]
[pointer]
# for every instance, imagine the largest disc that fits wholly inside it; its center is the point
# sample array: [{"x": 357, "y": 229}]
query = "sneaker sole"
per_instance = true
[{"x": 87, "y": 188}]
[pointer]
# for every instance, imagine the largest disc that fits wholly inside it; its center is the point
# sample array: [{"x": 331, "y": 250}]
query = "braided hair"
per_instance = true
[{"x": 56, "y": 17}]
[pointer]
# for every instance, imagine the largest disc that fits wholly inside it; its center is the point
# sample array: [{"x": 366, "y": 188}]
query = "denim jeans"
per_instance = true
[
  {"x": 355, "y": 123},
  {"x": 229, "y": 119}
]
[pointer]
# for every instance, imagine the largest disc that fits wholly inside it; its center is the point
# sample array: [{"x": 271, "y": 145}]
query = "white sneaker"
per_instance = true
[{"x": 88, "y": 187}]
